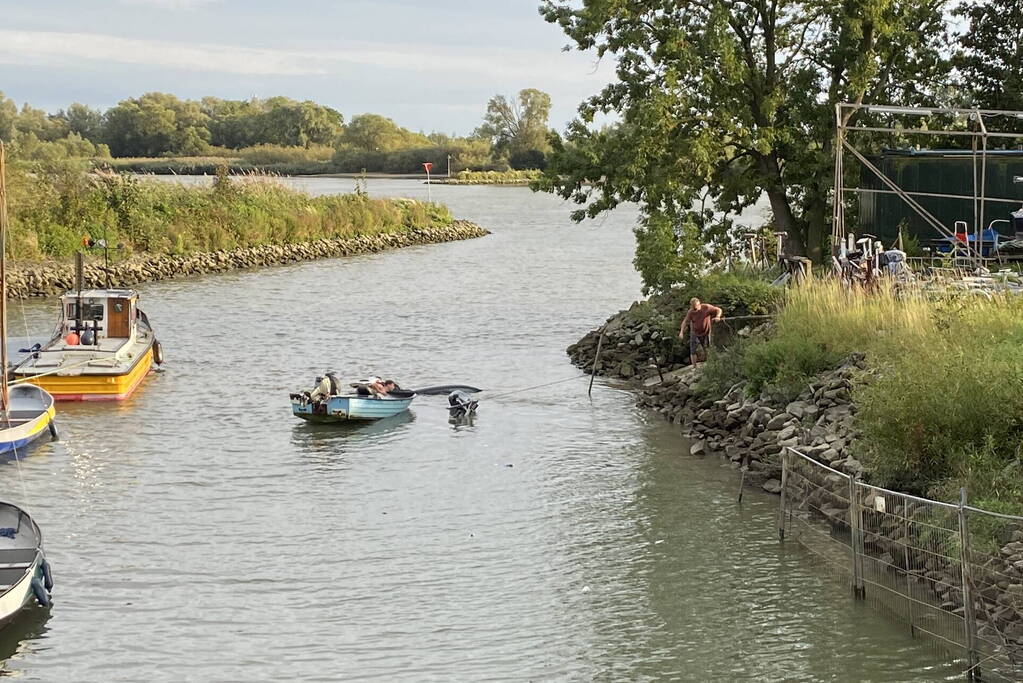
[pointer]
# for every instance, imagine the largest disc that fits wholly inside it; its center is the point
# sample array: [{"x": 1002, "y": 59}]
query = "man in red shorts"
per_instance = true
[{"x": 699, "y": 319}]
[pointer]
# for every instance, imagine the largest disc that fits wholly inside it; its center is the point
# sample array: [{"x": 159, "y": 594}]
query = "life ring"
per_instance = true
[
  {"x": 158, "y": 352},
  {"x": 47, "y": 576},
  {"x": 42, "y": 597}
]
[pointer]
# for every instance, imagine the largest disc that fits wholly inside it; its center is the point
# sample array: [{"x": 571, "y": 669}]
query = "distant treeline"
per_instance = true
[{"x": 277, "y": 134}]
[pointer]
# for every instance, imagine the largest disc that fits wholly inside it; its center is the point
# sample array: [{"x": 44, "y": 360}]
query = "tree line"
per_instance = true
[
  {"x": 513, "y": 134},
  {"x": 719, "y": 103}
]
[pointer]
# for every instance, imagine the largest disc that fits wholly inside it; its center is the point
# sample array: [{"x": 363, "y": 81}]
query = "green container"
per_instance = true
[{"x": 939, "y": 172}]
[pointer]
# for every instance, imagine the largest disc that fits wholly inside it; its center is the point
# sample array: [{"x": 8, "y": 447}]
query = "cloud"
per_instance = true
[
  {"x": 170, "y": 4},
  {"x": 63, "y": 49},
  {"x": 66, "y": 49}
]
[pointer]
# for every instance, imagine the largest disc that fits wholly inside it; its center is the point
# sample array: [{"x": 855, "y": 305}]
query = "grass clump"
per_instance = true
[
  {"x": 943, "y": 406},
  {"x": 53, "y": 206}
]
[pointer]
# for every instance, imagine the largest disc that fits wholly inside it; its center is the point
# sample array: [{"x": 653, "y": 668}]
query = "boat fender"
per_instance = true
[
  {"x": 53, "y": 431},
  {"x": 158, "y": 352},
  {"x": 42, "y": 597},
  {"x": 47, "y": 576}
]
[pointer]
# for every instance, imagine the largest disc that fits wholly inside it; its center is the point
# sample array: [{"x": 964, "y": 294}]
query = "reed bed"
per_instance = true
[{"x": 53, "y": 207}]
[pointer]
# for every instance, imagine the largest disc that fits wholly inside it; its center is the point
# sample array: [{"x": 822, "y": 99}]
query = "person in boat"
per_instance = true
[
  {"x": 698, "y": 321},
  {"x": 379, "y": 387},
  {"x": 326, "y": 386}
]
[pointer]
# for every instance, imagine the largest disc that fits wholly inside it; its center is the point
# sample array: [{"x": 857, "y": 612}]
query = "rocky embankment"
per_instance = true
[
  {"x": 633, "y": 346},
  {"x": 752, "y": 429},
  {"x": 45, "y": 279}
]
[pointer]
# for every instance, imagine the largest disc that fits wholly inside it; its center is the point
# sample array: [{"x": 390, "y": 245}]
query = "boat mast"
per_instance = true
[{"x": 4, "y": 390}]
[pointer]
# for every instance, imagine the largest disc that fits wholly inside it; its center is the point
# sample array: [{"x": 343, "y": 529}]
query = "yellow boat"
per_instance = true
[{"x": 102, "y": 349}]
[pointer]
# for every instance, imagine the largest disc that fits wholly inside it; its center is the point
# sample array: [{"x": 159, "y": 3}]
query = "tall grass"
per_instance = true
[
  {"x": 53, "y": 207},
  {"x": 943, "y": 406}
]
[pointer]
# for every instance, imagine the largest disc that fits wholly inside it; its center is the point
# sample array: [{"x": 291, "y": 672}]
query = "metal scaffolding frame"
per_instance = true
[{"x": 979, "y": 135}]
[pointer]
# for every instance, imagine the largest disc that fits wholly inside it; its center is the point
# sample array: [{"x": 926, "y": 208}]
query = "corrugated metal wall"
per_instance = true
[{"x": 938, "y": 172}]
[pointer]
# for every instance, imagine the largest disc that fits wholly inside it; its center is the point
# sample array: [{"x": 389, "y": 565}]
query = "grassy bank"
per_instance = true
[
  {"x": 492, "y": 178},
  {"x": 52, "y": 207},
  {"x": 942, "y": 403}
]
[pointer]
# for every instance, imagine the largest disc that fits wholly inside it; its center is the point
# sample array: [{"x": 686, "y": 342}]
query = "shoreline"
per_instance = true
[
  {"x": 40, "y": 279},
  {"x": 752, "y": 432}
]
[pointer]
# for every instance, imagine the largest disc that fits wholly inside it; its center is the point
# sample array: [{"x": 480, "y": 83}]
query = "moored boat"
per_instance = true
[
  {"x": 102, "y": 348},
  {"x": 24, "y": 573},
  {"x": 350, "y": 407},
  {"x": 28, "y": 416},
  {"x": 25, "y": 412}
]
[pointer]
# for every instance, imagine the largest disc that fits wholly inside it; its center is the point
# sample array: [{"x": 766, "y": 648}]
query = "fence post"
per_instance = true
[
  {"x": 969, "y": 618},
  {"x": 854, "y": 533},
  {"x": 905, "y": 556},
  {"x": 784, "y": 487}
]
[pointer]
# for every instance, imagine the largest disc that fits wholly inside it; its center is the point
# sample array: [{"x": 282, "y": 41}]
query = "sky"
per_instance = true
[{"x": 431, "y": 65}]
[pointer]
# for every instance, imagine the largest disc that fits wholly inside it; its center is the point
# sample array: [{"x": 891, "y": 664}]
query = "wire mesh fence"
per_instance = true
[{"x": 953, "y": 573}]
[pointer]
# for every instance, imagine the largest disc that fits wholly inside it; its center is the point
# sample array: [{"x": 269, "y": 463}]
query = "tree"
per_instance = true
[
  {"x": 372, "y": 132},
  {"x": 83, "y": 120},
  {"x": 299, "y": 124},
  {"x": 8, "y": 116},
  {"x": 518, "y": 128},
  {"x": 736, "y": 99},
  {"x": 156, "y": 124},
  {"x": 990, "y": 56}
]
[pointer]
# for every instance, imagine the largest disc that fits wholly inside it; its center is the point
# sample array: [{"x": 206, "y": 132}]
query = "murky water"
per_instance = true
[{"x": 199, "y": 532}]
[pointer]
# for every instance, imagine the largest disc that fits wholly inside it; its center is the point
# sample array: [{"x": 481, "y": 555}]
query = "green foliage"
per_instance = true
[
  {"x": 160, "y": 133},
  {"x": 155, "y": 124},
  {"x": 518, "y": 128},
  {"x": 53, "y": 205},
  {"x": 943, "y": 406},
  {"x": 495, "y": 177},
  {"x": 735, "y": 100},
  {"x": 267, "y": 155},
  {"x": 989, "y": 61}
]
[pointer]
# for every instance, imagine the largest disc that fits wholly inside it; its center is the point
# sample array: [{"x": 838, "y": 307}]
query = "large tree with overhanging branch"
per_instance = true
[{"x": 718, "y": 102}]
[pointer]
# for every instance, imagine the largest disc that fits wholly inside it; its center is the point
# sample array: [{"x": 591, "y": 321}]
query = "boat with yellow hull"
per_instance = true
[{"x": 102, "y": 349}]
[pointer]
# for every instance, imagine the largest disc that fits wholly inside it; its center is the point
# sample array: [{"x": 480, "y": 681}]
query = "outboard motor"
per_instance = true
[{"x": 461, "y": 404}]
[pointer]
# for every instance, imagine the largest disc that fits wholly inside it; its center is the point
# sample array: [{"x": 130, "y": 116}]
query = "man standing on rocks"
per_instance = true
[{"x": 699, "y": 319}]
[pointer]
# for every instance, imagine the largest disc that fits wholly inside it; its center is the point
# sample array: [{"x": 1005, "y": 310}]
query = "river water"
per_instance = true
[{"x": 199, "y": 532}]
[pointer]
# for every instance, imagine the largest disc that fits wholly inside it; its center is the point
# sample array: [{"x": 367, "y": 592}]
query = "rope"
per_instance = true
[
  {"x": 62, "y": 368},
  {"x": 535, "y": 386}
]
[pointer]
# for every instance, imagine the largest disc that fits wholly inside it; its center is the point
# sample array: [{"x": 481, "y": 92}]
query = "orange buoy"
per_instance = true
[{"x": 72, "y": 339}]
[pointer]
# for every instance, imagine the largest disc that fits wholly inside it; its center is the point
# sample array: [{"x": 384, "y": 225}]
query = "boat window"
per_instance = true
[{"x": 89, "y": 311}]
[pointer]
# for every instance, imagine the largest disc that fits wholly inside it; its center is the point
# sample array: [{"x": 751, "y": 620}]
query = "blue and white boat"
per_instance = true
[
  {"x": 25, "y": 411},
  {"x": 24, "y": 573},
  {"x": 28, "y": 416},
  {"x": 351, "y": 407}
]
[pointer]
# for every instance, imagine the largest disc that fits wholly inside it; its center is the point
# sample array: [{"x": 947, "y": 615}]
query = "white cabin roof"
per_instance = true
[{"x": 101, "y": 294}]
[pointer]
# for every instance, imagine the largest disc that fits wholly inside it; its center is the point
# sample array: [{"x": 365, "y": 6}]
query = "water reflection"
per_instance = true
[
  {"x": 350, "y": 437},
  {"x": 16, "y": 636}
]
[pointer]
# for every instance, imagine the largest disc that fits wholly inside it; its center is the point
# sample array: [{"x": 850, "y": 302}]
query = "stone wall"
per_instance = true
[{"x": 46, "y": 279}]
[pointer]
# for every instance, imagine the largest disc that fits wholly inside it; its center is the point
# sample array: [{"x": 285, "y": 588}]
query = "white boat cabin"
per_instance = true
[{"x": 109, "y": 319}]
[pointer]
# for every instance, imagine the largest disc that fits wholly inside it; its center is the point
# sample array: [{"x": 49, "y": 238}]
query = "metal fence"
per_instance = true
[{"x": 953, "y": 573}]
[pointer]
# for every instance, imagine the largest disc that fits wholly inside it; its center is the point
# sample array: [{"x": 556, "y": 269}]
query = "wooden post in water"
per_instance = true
[{"x": 596, "y": 359}]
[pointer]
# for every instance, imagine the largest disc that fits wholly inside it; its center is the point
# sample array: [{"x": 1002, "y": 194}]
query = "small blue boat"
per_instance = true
[
  {"x": 30, "y": 416},
  {"x": 350, "y": 407}
]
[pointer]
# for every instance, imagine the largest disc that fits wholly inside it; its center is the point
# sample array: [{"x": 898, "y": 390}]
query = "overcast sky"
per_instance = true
[{"x": 428, "y": 64}]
